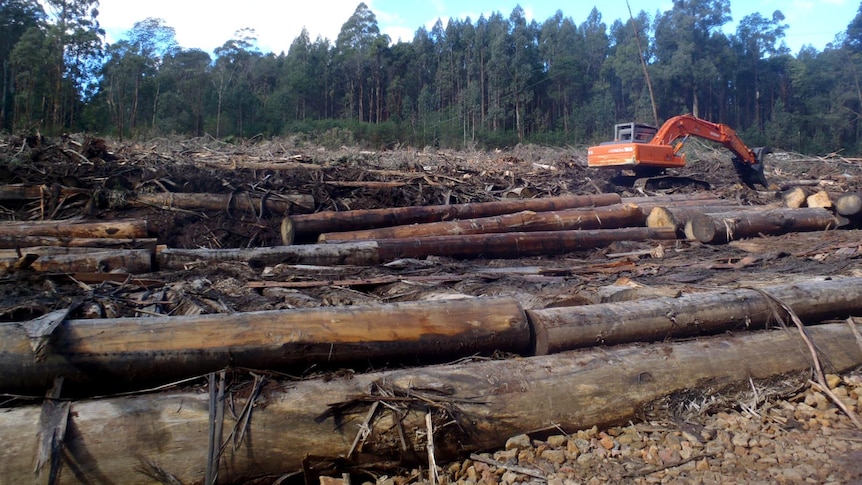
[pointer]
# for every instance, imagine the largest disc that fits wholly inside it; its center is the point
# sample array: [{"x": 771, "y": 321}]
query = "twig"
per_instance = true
[
  {"x": 433, "y": 473},
  {"x": 818, "y": 369},
  {"x": 852, "y": 323},
  {"x": 364, "y": 428},
  {"x": 649, "y": 471},
  {"x": 512, "y": 468}
]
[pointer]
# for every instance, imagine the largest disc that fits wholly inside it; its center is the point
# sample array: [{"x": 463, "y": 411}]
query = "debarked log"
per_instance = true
[
  {"x": 304, "y": 226},
  {"x": 124, "y": 229},
  {"x": 129, "y": 439},
  {"x": 677, "y": 217},
  {"x": 729, "y": 226},
  {"x": 606, "y": 217},
  {"x": 360, "y": 253},
  {"x": 565, "y": 328},
  {"x": 117, "y": 352}
]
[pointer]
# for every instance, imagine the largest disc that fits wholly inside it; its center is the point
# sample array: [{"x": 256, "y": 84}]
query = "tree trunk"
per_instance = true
[
  {"x": 11, "y": 242},
  {"x": 723, "y": 227},
  {"x": 73, "y": 260},
  {"x": 106, "y": 354},
  {"x": 243, "y": 201},
  {"x": 362, "y": 253},
  {"x": 608, "y": 217},
  {"x": 677, "y": 217},
  {"x": 514, "y": 244},
  {"x": 559, "y": 329},
  {"x": 131, "y": 439},
  {"x": 121, "y": 229},
  {"x": 312, "y": 225},
  {"x": 368, "y": 253}
]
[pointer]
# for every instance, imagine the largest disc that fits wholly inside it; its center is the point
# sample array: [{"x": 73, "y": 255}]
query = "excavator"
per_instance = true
[{"x": 648, "y": 151}]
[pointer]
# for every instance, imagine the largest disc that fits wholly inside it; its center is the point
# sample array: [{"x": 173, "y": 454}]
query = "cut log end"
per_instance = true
[
  {"x": 660, "y": 217},
  {"x": 849, "y": 205},
  {"x": 819, "y": 199},
  {"x": 794, "y": 197},
  {"x": 288, "y": 231}
]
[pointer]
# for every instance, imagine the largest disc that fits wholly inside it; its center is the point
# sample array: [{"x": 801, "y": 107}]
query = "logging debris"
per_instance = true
[{"x": 232, "y": 202}]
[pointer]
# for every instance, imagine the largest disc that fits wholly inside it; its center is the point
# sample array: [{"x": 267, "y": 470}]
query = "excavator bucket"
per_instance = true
[{"x": 752, "y": 173}]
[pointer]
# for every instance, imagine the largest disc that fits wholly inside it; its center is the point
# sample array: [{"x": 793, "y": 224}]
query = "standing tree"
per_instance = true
[{"x": 16, "y": 17}]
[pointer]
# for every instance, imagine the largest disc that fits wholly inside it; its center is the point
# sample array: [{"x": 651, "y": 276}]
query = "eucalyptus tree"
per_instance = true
[
  {"x": 758, "y": 42},
  {"x": 685, "y": 66},
  {"x": 358, "y": 48},
  {"x": 16, "y": 17},
  {"x": 75, "y": 39},
  {"x": 130, "y": 84},
  {"x": 186, "y": 81},
  {"x": 231, "y": 74}
]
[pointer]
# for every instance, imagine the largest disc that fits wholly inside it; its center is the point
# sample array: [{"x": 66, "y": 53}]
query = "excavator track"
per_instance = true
[{"x": 659, "y": 182}]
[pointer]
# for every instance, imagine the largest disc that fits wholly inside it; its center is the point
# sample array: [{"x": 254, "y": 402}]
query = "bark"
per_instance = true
[
  {"x": 559, "y": 329},
  {"x": 275, "y": 204},
  {"x": 83, "y": 260},
  {"x": 28, "y": 192},
  {"x": 308, "y": 226},
  {"x": 102, "y": 355},
  {"x": 7, "y": 241},
  {"x": 849, "y": 204},
  {"x": 128, "y": 439},
  {"x": 121, "y": 229},
  {"x": 723, "y": 227},
  {"x": 608, "y": 217}
]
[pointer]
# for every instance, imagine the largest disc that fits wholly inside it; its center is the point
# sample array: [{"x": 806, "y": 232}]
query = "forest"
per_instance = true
[{"x": 490, "y": 82}]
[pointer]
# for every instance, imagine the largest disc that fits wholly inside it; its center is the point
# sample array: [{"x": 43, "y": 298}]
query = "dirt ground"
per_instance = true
[{"x": 786, "y": 436}]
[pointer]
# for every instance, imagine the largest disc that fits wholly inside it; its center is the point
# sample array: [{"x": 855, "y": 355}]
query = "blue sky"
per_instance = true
[{"x": 207, "y": 24}]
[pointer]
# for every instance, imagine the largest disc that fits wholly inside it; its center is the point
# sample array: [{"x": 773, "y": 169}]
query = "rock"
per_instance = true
[
  {"x": 518, "y": 442},
  {"x": 740, "y": 439},
  {"x": 702, "y": 465},
  {"x": 510, "y": 477},
  {"x": 507, "y": 455},
  {"x": 606, "y": 441},
  {"x": 557, "y": 457},
  {"x": 557, "y": 441},
  {"x": 832, "y": 380}
]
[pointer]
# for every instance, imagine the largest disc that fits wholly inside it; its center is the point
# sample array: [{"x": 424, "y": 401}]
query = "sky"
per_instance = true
[{"x": 207, "y": 24}]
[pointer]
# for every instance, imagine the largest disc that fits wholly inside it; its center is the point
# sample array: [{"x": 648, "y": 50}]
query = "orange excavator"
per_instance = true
[{"x": 648, "y": 150}]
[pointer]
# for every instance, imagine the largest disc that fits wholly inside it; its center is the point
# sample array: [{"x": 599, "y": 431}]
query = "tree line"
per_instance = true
[{"x": 496, "y": 81}]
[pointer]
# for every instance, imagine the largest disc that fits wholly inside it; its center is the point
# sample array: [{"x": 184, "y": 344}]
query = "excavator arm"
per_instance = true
[{"x": 660, "y": 152}]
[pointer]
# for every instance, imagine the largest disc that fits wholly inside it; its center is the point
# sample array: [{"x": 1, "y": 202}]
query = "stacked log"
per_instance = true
[
  {"x": 607, "y": 217},
  {"x": 724, "y": 227},
  {"x": 121, "y": 352},
  {"x": 310, "y": 226}
]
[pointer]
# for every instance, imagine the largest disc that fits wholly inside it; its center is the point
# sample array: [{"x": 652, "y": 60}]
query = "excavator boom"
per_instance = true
[{"x": 645, "y": 148}]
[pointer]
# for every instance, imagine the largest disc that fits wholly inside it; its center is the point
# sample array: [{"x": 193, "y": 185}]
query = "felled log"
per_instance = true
[
  {"x": 311, "y": 225},
  {"x": 849, "y": 204},
  {"x": 132, "y": 439},
  {"x": 723, "y": 227},
  {"x": 123, "y": 229},
  {"x": 7, "y": 241},
  {"x": 74, "y": 260},
  {"x": 677, "y": 216},
  {"x": 28, "y": 192},
  {"x": 117, "y": 352},
  {"x": 360, "y": 253},
  {"x": 515, "y": 244},
  {"x": 607, "y": 217},
  {"x": 243, "y": 201},
  {"x": 565, "y": 328},
  {"x": 365, "y": 253}
]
